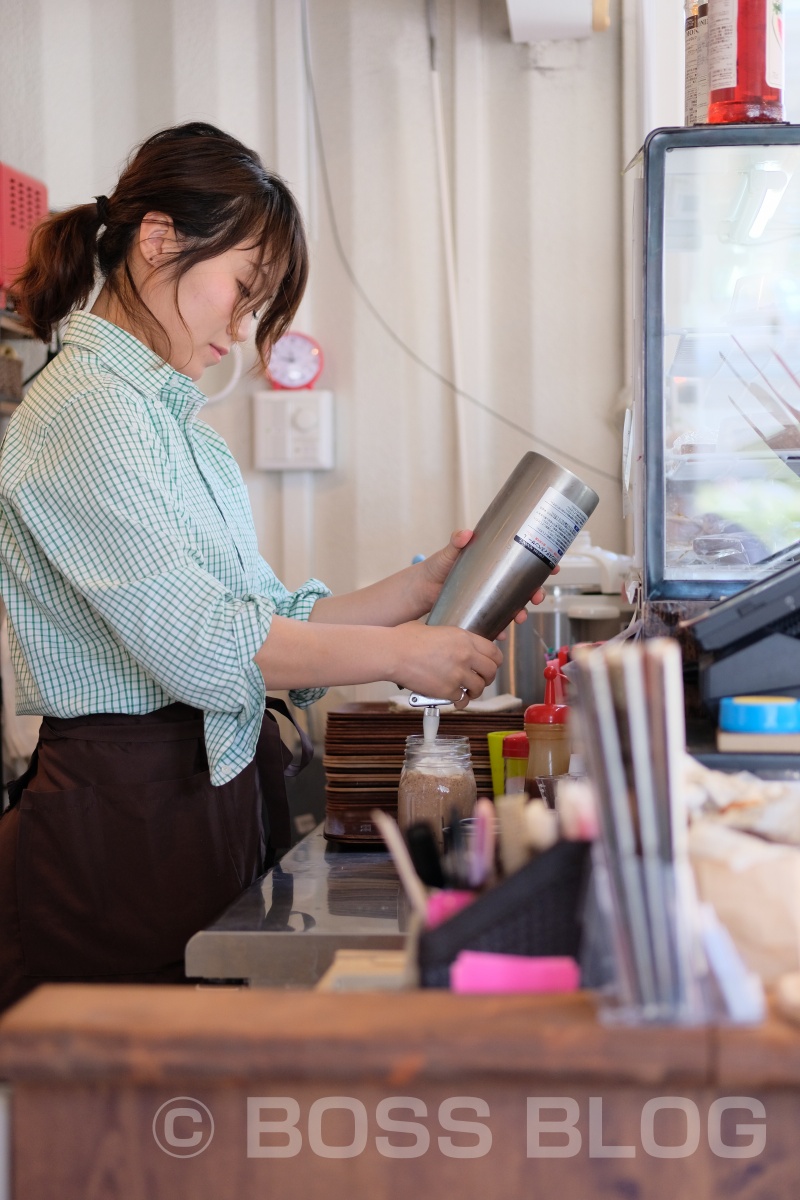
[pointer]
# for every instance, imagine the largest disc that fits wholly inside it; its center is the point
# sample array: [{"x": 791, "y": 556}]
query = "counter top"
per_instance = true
[
  {"x": 247, "y": 1074},
  {"x": 150, "y": 1034},
  {"x": 285, "y": 929}
]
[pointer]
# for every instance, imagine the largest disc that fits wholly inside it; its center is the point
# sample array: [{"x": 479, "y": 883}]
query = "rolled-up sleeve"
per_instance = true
[{"x": 298, "y": 606}]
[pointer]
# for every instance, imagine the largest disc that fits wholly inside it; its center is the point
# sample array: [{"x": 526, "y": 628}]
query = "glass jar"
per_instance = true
[{"x": 437, "y": 777}]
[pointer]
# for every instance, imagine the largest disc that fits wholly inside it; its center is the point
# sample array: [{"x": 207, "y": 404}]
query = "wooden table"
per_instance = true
[{"x": 98, "y": 1073}]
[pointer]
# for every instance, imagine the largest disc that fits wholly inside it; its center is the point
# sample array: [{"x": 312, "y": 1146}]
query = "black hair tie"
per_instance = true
[{"x": 102, "y": 209}]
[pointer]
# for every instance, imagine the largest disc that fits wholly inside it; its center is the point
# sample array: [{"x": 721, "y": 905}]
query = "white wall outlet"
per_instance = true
[{"x": 293, "y": 430}]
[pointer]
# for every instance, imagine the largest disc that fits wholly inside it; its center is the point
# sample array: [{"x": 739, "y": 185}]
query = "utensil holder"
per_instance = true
[{"x": 535, "y": 911}]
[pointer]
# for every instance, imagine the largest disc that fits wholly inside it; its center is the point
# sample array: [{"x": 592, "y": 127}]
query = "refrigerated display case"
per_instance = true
[{"x": 717, "y": 405}]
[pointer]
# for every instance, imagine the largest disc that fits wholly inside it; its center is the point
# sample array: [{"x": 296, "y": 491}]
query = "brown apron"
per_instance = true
[{"x": 117, "y": 847}]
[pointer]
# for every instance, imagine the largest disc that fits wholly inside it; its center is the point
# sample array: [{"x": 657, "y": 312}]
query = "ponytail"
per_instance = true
[
  {"x": 60, "y": 272},
  {"x": 217, "y": 193}
]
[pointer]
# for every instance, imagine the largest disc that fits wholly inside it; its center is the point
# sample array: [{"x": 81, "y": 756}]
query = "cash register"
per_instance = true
[
  {"x": 750, "y": 645},
  {"x": 750, "y": 642}
]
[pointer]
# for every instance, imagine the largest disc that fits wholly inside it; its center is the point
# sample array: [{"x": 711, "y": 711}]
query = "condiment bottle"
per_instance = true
[
  {"x": 516, "y": 751},
  {"x": 548, "y": 735},
  {"x": 437, "y": 777},
  {"x": 745, "y": 61},
  {"x": 690, "y": 61}
]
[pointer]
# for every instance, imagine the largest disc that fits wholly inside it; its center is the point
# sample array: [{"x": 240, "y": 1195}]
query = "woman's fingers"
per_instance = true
[
  {"x": 470, "y": 690},
  {"x": 490, "y": 658},
  {"x": 438, "y": 566},
  {"x": 481, "y": 676},
  {"x": 443, "y": 660},
  {"x": 459, "y": 538}
]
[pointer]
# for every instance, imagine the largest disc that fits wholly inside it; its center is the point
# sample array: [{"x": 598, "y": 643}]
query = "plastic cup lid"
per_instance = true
[
  {"x": 759, "y": 714},
  {"x": 516, "y": 745}
]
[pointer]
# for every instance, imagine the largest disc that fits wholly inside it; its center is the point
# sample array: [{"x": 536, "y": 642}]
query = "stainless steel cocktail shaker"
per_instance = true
[{"x": 532, "y": 521}]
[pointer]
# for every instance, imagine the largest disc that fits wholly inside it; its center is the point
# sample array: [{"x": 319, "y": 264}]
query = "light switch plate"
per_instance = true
[{"x": 293, "y": 430}]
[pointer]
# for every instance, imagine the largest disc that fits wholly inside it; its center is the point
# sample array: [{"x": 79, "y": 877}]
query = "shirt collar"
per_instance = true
[{"x": 122, "y": 353}]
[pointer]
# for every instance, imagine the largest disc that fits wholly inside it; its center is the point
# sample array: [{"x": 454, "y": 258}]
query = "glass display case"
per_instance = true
[{"x": 719, "y": 379}]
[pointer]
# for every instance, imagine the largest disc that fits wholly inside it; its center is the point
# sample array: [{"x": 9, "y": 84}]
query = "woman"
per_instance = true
[{"x": 145, "y": 627}]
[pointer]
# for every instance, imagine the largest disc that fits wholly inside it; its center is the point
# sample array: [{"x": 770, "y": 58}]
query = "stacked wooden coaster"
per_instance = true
[
  {"x": 369, "y": 889},
  {"x": 364, "y": 750}
]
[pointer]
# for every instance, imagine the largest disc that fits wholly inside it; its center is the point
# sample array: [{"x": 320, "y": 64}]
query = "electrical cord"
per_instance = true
[{"x": 361, "y": 292}]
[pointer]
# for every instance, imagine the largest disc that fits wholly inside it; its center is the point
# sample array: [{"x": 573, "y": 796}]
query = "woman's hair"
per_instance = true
[{"x": 218, "y": 195}]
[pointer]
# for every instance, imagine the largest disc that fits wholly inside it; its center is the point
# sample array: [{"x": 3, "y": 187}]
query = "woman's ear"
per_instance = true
[{"x": 156, "y": 240}]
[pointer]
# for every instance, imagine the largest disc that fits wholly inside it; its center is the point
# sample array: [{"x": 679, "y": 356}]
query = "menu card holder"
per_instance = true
[{"x": 674, "y": 963}]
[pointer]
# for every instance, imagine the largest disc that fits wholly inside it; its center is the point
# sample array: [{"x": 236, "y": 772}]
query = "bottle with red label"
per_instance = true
[{"x": 745, "y": 61}]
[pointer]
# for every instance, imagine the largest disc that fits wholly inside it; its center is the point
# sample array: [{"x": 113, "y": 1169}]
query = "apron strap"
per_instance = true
[
  {"x": 306, "y": 747},
  {"x": 274, "y": 764},
  {"x": 15, "y": 787}
]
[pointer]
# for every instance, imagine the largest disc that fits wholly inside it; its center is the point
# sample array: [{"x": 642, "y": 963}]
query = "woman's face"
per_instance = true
[{"x": 200, "y": 325}]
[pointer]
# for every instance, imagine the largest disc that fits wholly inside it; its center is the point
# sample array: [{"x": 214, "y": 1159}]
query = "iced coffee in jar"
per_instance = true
[{"x": 437, "y": 777}]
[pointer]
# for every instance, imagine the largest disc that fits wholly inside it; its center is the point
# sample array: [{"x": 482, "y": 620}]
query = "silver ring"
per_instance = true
[{"x": 463, "y": 694}]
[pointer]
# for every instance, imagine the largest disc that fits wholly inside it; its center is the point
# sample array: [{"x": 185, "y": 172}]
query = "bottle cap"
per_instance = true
[
  {"x": 516, "y": 745},
  {"x": 549, "y": 713}
]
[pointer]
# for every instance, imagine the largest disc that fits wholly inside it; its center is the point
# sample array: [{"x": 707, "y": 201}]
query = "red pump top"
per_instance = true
[{"x": 551, "y": 712}]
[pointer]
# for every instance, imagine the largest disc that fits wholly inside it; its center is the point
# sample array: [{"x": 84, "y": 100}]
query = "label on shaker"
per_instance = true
[{"x": 552, "y": 527}]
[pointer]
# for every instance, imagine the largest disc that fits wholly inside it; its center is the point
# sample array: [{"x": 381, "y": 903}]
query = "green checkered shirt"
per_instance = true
[{"x": 128, "y": 557}]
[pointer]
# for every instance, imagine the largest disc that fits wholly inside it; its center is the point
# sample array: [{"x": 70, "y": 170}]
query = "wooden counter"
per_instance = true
[{"x": 93, "y": 1070}]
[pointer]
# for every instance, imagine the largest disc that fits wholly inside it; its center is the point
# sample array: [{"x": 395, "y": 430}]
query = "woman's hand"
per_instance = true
[
  {"x": 435, "y": 569},
  {"x": 442, "y": 661}
]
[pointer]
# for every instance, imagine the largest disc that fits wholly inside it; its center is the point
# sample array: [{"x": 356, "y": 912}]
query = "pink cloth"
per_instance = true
[
  {"x": 445, "y": 904},
  {"x": 476, "y": 971}
]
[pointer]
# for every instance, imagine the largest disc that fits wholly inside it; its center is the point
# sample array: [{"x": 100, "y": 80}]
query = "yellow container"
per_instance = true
[{"x": 495, "y": 740}]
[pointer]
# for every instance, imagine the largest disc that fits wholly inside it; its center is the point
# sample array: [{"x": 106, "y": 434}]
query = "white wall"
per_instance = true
[{"x": 534, "y": 155}]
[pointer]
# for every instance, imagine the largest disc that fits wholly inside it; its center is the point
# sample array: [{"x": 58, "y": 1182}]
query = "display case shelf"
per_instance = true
[{"x": 708, "y": 466}]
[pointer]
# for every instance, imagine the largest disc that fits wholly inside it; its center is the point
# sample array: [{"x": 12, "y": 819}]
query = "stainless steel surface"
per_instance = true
[
  {"x": 531, "y": 522},
  {"x": 285, "y": 929},
  {"x": 529, "y": 647}
]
